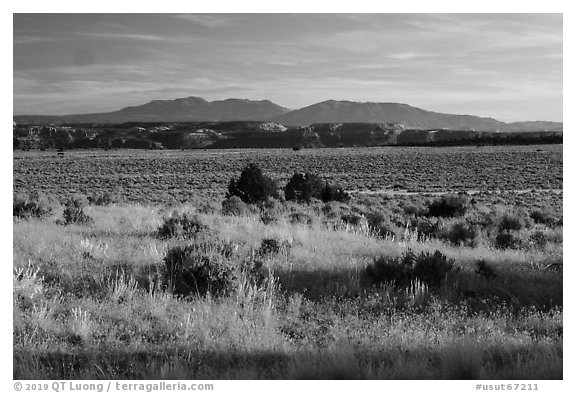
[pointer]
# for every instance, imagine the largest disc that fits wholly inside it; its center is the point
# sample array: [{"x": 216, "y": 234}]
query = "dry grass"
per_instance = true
[{"x": 85, "y": 306}]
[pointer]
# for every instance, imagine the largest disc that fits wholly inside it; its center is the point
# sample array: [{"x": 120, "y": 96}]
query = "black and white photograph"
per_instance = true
[{"x": 287, "y": 196}]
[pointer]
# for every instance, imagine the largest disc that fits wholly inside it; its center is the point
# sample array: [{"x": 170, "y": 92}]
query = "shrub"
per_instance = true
[
  {"x": 302, "y": 187},
  {"x": 31, "y": 205},
  {"x": 429, "y": 268},
  {"x": 460, "y": 232},
  {"x": 432, "y": 268},
  {"x": 352, "y": 218},
  {"x": 511, "y": 222},
  {"x": 334, "y": 193},
  {"x": 386, "y": 269},
  {"x": 182, "y": 225},
  {"x": 104, "y": 199},
  {"x": 539, "y": 239},
  {"x": 506, "y": 240},
  {"x": 271, "y": 211},
  {"x": 426, "y": 226},
  {"x": 191, "y": 271},
  {"x": 416, "y": 210},
  {"x": 273, "y": 246},
  {"x": 448, "y": 206},
  {"x": 233, "y": 206},
  {"x": 382, "y": 226},
  {"x": 300, "y": 218},
  {"x": 208, "y": 268},
  {"x": 543, "y": 216},
  {"x": 74, "y": 211},
  {"x": 252, "y": 186},
  {"x": 485, "y": 270}
]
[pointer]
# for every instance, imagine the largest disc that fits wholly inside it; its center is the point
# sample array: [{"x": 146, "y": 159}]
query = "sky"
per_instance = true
[{"x": 505, "y": 66}]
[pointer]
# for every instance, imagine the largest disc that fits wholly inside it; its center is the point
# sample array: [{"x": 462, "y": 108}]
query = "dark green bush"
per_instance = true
[
  {"x": 182, "y": 225},
  {"x": 334, "y": 193},
  {"x": 427, "y": 267},
  {"x": 31, "y": 205},
  {"x": 252, "y": 186},
  {"x": 303, "y": 187},
  {"x": 448, "y": 206},
  {"x": 74, "y": 211}
]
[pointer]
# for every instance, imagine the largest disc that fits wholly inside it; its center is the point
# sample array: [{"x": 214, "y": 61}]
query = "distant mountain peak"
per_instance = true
[{"x": 192, "y": 108}]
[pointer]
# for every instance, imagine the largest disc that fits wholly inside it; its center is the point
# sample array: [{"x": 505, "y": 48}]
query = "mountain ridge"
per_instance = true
[{"x": 194, "y": 109}]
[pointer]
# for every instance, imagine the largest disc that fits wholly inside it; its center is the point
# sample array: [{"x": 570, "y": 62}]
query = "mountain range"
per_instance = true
[{"x": 195, "y": 109}]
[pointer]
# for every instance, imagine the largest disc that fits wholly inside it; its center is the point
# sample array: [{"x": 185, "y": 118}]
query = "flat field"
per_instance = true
[
  {"x": 178, "y": 176},
  {"x": 380, "y": 287}
]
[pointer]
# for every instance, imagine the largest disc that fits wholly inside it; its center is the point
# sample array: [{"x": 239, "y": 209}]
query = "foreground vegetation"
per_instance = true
[{"x": 385, "y": 287}]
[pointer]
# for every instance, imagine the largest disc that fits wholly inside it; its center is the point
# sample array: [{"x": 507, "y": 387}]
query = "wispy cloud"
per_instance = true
[
  {"x": 403, "y": 55},
  {"x": 124, "y": 36},
  {"x": 208, "y": 20}
]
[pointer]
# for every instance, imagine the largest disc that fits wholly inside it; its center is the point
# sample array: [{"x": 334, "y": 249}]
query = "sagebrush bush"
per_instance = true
[
  {"x": 31, "y": 205},
  {"x": 543, "y": 216},
  {"x": 252, "y": 186},
  {"x": 299, "y": 217},
  {"x": 448, "y": 206},
  {"x": 381, "y": 225},
  {"x": 427, "y": 226},
  {"x": 506, "y": 239},
  {"x": 190, "y": 271},
  {"x": 273, "y": 246},
  {"x": 208, "y": 268},
  {"x": 511, "y": 222},
  {"x": 416, "y": 210},
  {"x": 271, "y": 211},
  {"x": 182, "y": 225},
  {"x": 234, "y": 206},
  {"x": 460, "y": 232},
  {"x": 104, "y": 199},
  {"x": 485, "y": 270},
  {"x": 538, "y": 239},
  {"x": 389, "y": 269},
  {"x": 74, "y": 211},
  {"x": 430, "y": 268},
  {"x": 352, "y": 218}
]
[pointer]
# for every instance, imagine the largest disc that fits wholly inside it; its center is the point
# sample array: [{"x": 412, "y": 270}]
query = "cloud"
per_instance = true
[
  {"x": 208, "y": 20},
  {"x": 124, "y": 36},
  {"x": 404, "y": 55}
]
